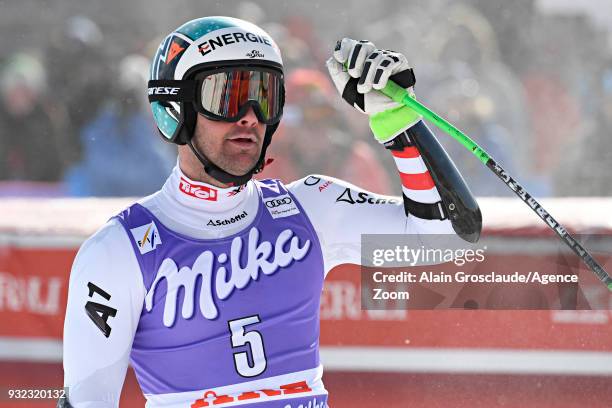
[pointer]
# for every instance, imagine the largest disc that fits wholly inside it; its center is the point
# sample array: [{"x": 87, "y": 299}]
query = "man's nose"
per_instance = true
[{"x": 249, "y": 119}]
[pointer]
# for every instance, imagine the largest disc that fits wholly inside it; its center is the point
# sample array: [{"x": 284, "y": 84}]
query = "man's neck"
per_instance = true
[
  {"x": 192, "y": 168},
  {"x": 201, "y": 175},
  {"x": 201, "y": 195}
]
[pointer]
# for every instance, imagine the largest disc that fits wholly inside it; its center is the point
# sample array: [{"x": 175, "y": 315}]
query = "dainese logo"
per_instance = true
[
  {"x": 198, "y": 190},
  {"x": 163, "y": 90}
]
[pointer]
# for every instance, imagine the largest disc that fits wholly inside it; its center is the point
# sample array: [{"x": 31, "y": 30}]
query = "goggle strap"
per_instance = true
[{"x": 172, "y": 90}]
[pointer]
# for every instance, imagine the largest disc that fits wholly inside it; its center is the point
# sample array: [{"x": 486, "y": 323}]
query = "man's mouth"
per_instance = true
[{"x": 243, "y": 140}]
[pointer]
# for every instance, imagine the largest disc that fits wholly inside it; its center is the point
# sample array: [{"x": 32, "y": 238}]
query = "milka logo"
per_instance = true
[{"x": 286, "y": 250}]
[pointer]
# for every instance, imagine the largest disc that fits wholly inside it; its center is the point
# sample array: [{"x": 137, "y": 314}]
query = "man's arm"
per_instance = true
[
  {"x": 105, "y": 299},
  {"x": 435, "y": 198},
  {"x": 341, "y": 212}
]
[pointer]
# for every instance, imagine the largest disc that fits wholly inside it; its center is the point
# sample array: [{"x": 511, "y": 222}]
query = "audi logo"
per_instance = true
[{"x": 278, "y": 201}]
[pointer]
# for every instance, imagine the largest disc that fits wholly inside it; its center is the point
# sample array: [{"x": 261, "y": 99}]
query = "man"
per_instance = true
[{"x": 211, "y": 286}]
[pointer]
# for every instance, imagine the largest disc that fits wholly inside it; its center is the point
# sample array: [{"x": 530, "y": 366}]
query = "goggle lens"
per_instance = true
[{"x": 224, "y": 95}]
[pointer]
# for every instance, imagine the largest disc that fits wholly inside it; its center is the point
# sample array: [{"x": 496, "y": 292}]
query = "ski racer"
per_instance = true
[{"x": 211, "y": 287}]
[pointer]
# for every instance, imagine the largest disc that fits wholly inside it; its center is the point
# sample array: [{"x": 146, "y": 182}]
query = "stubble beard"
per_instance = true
[{"x": 233, "y": 160}]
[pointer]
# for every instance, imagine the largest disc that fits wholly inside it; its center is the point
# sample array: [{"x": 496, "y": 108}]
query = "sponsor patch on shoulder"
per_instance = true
[
  {"x": 146, "y": 237},
  {"x": 281, "y": 206}
]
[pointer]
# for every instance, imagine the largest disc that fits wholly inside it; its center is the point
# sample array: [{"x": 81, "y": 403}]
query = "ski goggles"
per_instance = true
[{"x": 227, "y": 94}]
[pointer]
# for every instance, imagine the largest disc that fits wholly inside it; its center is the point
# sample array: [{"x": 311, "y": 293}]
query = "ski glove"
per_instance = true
[{"x": 359, "y": 70}]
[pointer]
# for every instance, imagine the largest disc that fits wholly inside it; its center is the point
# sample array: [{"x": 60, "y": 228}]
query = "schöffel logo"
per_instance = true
[
  {"x": 254, "y": 54},
  {"x": 228, "y": 221},
  {"x": 281, "y": 206},
  {"x": 363, "y": 198},
  {"x": 220, "y": 41},
  {"x": 278, "y": 202},
  {"x": 198, "y": 190}
]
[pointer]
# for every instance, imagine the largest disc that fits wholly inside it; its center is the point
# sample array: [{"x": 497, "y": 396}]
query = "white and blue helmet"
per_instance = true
[{"x": 197, "y": 46}]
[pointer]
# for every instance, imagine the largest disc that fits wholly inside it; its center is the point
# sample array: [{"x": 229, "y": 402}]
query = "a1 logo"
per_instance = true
[{"x": 97, "y": 312}]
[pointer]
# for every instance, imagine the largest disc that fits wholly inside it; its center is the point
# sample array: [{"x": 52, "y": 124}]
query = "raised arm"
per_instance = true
[{"x": 435, "y": 199}]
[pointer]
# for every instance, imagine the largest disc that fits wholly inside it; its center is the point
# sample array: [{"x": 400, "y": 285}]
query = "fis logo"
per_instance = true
[{"x": 146, "y": 237}]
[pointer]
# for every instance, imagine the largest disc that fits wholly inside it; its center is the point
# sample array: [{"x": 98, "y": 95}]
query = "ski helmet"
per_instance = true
[{"x": 203, "y": 45}]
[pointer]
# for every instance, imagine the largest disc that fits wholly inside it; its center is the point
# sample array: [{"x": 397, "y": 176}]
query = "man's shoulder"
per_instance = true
[
  {"x": 318, "y": 193},
  {"x": 322, "y": 193},
  {"x": 115, "y": 234},
  {"x": 149, "y": 201},
  {"x": 102, "y": 250},
  {"x": 319, "y": 186},
  {"x": 107, "y": 236}
]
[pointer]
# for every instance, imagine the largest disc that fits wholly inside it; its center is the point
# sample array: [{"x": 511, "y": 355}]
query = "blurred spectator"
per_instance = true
[
  {"x": 552, "y": 94},
  {"x": 122, "y": 153},
  {"x": 31, "y": 145},
  {"x": 468, "y": 83},
  {"x": 78, "y": 75},
  {"x": 475, "y": 112},
  {"x": 296, "y": 52},
  {"x": 314, "y": 137},
  {"x": 519, "y": 77},
  {"x": 512, "y": 22},
  {"x": 586, "y": 169}
]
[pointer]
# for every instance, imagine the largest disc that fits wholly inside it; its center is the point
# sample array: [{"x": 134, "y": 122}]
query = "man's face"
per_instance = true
[{"x": 235, "y": 146}]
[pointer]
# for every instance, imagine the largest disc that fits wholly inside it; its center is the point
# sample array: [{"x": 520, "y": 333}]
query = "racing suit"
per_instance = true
[{"x": 213, "y": 294}]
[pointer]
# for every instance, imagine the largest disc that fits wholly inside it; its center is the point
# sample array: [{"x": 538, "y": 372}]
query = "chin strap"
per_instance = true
[
  {"x": 184, "y": 92},
  {"x": 267, "y": 162},
  {"x": 219, "y": 174}
]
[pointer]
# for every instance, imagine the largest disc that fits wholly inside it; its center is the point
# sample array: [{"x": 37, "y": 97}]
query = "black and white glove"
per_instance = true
[{"x": 359, "y": 70}]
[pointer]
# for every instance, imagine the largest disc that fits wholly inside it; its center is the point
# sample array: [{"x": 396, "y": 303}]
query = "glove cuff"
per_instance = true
[{"x": 388, "y": 124}]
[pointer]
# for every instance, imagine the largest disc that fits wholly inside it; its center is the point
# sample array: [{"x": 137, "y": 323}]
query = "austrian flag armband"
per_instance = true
[
  {"x": 432, "y": 186},
  {"x": 421, "y": 198}
]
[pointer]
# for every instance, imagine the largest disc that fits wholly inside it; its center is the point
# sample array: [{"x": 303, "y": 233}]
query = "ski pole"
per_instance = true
[{"x": 400, "y": 95}]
